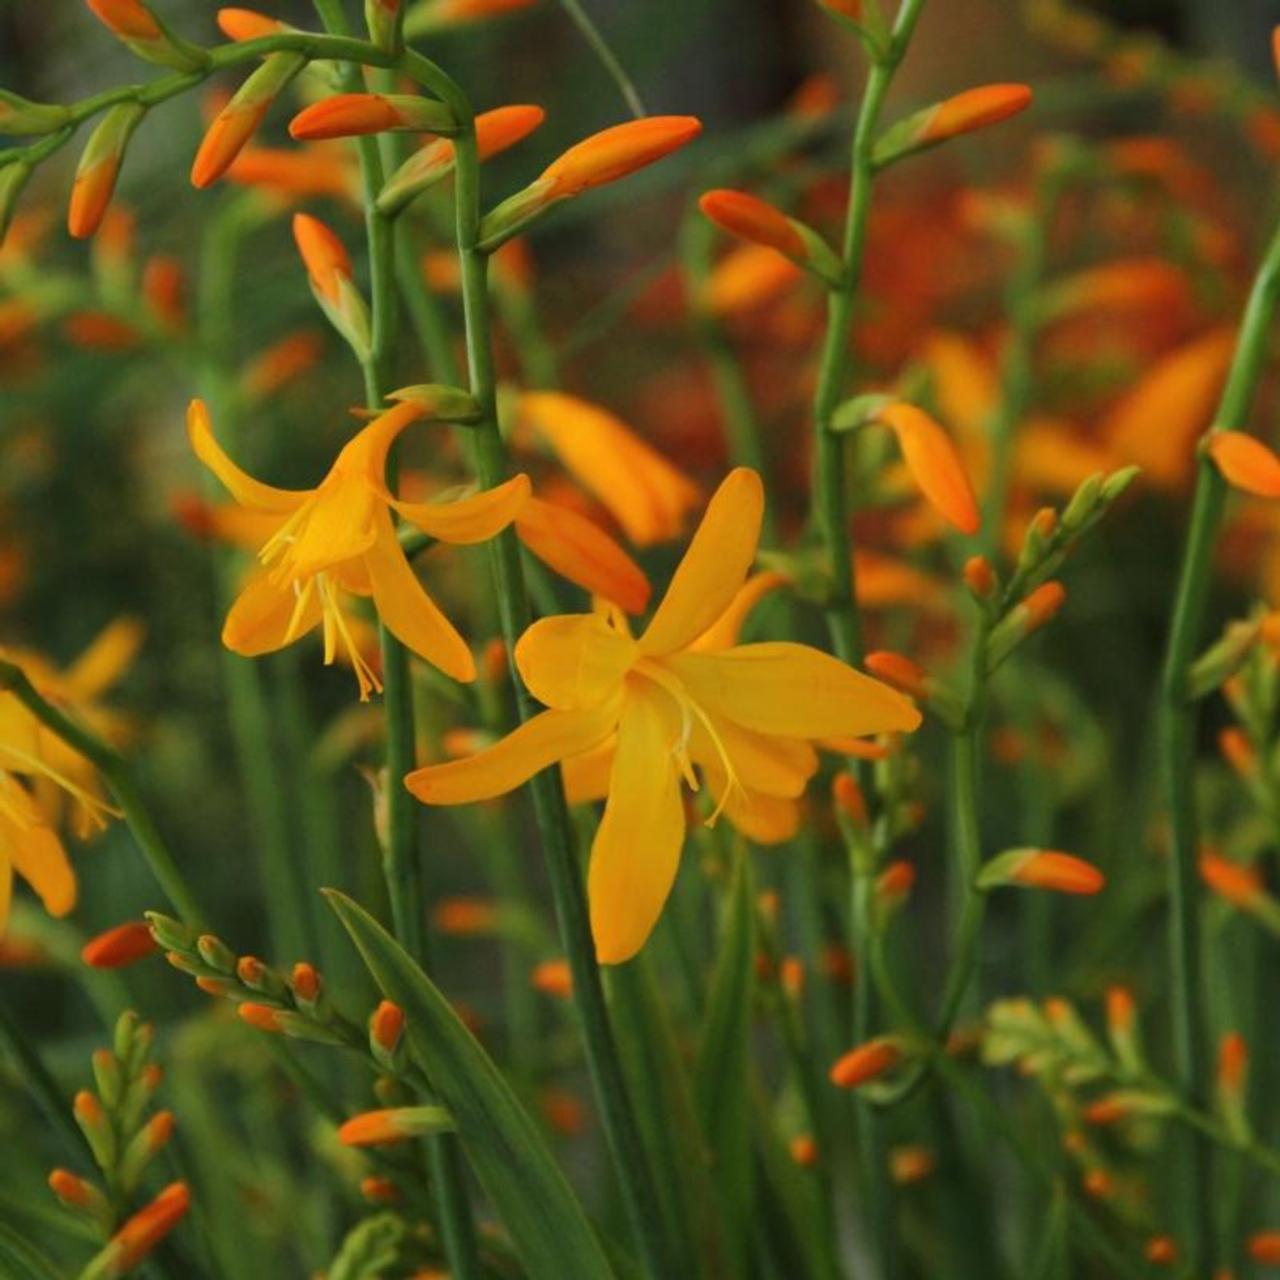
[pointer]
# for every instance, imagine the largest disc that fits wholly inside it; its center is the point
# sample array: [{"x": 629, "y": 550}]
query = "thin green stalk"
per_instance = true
[
  {"x": 621, "y": 1130},
  {"x": 608, "y": 59},
  {"x": 120, "y": 782},
  {"x": 1178, "y": 724}
]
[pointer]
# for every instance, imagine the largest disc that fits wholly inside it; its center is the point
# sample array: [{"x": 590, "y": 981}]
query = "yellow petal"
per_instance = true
[
  {"x": 366, "y": 451},
  {"x": 6, "y": 891},
  {"x": 39, "y": 858},
  {"x": 714, "y": 567},
  {"x": 724, "y": 632},
  {"x": 106, "y": 658},
  {"x": 792, "y": 690},
  {"x": 647, "y": 495},
  {"x": 534, "y": 746},
  {"x": 341, "y": 524},
  {"x": 765, "y": 819},
  {"x": 243, "y": 487},
  {"x": 586, "y": 777},
  {"x": 573, "y": 660},
  {"x": 469, "y": 520},
  {"x": 408, "y": 612},
  {"x": 258, "y": 621},
  {"x": 1246, "y": 463},
  {"x": 637, "y": 847},
  {"x": 579, "y": 550},
  {"x": 773, "y": 765}
]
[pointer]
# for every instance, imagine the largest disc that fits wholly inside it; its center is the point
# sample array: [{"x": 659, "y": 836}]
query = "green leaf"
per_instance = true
[
  {"x": 370, "y": 1250},
  {"x": 721, "y": 1082},
  {"x": 506, "y": 1150},
  {"x": 19, "y": 1257}
]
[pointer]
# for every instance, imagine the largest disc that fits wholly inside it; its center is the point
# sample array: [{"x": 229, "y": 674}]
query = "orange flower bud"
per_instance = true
[
  {"x": 324, "y": 255},
  {"x": 305, "y": 982},
  {"x": 123, "y": 945},
  {"x": 975, "y": 109},
  {"x": 1121, "y": 1013},
  {"x": 791, "y": 976},
  {"x": 866, "y": 1062},
  {"x": 614, "y": 153},
  {"x": 246, "y": 24},
  {"x": 815, "y": 99},
  {"x": 804, "y": 1150},
  {"x": 753, "y": 219},
  {"x": 1098, "y": 1183},
  {"x": 1107, "y": 1111},
  {"x": 1161, "y": 1251},
  {"x": 898, "y": 670},
  {"x": 747, "y": 277},
  {"x": 348, "y": 115},
  {"x": 894, "y": 884},
  {"x": 262, "y": 1016},
  {"x": 1233, "y": 1063},
  {"x": 162, "y": 287},
  {"x": 553, "y": 978},
  {"x": 1238, "y": 751},
  {"x": 980, "y": 577},
  {"x": 141, "y": 1233},
  {"x": 1264, "y": 1247},
  {"x": 466, "y": 917},
  {"x": 379, "y": 1190},
  {"x": 849, "y": 799},
  {"x": 99, "y": 331},
  {"x": 75, "y": 1192},
  {"x": 386, "y": 1026},
  {"x": 934, "y": 464},
  {"x": 1061, "y": 872},
  {"x": 911, "y": 1164},
  {"x": 129, "y": 19},
  {"x": 1245, "y": 462},
  {"x": 395, "y": 1124},
  {"x": 99, "y": 167},
  {"x": 1239, "y": 884}
]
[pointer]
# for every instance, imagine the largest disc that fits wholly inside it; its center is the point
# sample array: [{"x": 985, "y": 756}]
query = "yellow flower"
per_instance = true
[
  {"x": 340, "y": 538},
  {"x": 745, "y": 715}
]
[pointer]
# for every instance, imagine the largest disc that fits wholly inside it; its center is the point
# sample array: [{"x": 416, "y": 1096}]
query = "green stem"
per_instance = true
[
  {"x": 608, "y": 59},
  {"x": 1178, "y": 725},
  {"x": 621, "y": 1129},
  {"x": 120, "y": 782}
]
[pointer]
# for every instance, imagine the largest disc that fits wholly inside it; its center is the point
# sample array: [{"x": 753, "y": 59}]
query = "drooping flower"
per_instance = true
[
  {"x": 745, "y": 716},
  {"x": 340, "y": 537}
]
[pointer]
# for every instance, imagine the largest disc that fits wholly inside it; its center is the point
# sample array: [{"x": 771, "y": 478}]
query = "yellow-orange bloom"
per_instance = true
[
  {"x": 975, "y": 109},
  {"x": 866, "y": 1062},
  {"x": 613, "y": 153},
  {"x": 646, "y": 494},
  {"x": 935, "y": 465},
  {"x": 1245, "y": 462},
  {"x": 123, "y": 945},
  {"x": 745, "y": 716},
  {"x": 340, "y": 537}
]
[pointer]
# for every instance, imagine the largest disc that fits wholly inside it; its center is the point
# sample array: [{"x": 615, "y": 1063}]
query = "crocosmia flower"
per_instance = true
[
  {"x": 340, "y": 538},
  {"x": 742, "y": 716}
]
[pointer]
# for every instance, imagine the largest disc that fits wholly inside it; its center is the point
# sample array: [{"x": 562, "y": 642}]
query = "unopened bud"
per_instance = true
[
  {"x": 216, "y": 954},
  {"x": 911, "y": 1164},
  {"x": 80, "y": 1195},
  {"x": 963, "y": 113},
  {"x": 396, "y": 1124},
  {"x": 980, "y": 577},
  {"x": 107, "y": 1076},
  {"x": 1023, "y": 620},
  {"x": 22, "y": 118},
  {"x": 867, "y": 1062},
  {"x": 440, "y": 403},
  {"x": 134, "y": 24},
  {"x": 1224, "y": 657},
  {"x": 385, "y": 20},
  {"x": 96, "y": 1128},
  {"x": 140, "y": 1234},
  {"x": 347, "y": 115},
  {"x": 329, "y": 270},
  {"x": 386, "y": 1035},
  {"x": 99, "y": 166},
  {"x": 123, "y": 945},
  {"x": 803, "y": 1150},
  {"x": 143, "y": 1148},
  {"x": 170, "y": 934},
  {"x": 1041, "y": 869},
  {"x": 553, "y": 978},
  {"x": 260, "y": 978},
  {"x": 758, "y": 222}
]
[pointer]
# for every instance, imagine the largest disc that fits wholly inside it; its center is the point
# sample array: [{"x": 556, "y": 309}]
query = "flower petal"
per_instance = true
[
  {"x": 473, "y": 519},
  {"x": 239, "y": 484},
  {"x": 637, "y": 847},
  {"x": 761, "y": 762},
  {"x": 792, "y": 690},
  {"x": 714, "y": 567},
  {"x": 39, "y": 858},
  {"x": 579, "y": 550},
  {"x": 724, "y": 632},
  {"x": 407, "y": 611},
  {"x": 932, "y": 459},
  {"x": 340, "y": 524},
  {"x": 513, "y": 760},
  {"x": 106, "y": 659},
  {"x": 1246, "y": 463},
  {"x": 573, "y": 660},
  {"x": 765, "y": 819},
  {"x": 258, "y": 621},
  {"x": 586, "y": 776}
]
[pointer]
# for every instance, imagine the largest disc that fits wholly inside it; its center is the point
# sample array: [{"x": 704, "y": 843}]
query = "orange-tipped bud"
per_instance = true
[
  {"x": 246, "y": 24},
  {"x": 1024, "y": 619},
  {"x": 1161, "y": 1251},
  {"x": 1099, "y": 1184},
  {"x": 747, "y": 277},
  {"x": 848, "y": 798},
  {"x": 553, "y": 978},
  {"x": 911, "y": 1164},
  {"x": 751, "y": 218},
  {"x": 1107, "y": 1111},
  {"x": 380, "y": 1190},
  {"x": 219, "y": 988},
  {"x": 1245, "y": 462},
  {"x": 134, "y": 25},
  {"x": 1042, "y": 869},
  {"x": 386, "y": 1026},
  {"x": 324, "y": 255},
  {"x": 162, "y": 290},
  {"x": 125, "y": 944},
  {"x": 804, "y": 1150},
  {"x": 1042, "y": 604},
  {"x": 238, "y": 121},
  {"x": 349, "y": 115},
  {"x": 305, "y": 981},
  {"x": 614, "y": 153},
  {"x": 791, "y": 976},
  {"x": 466, "y": 917},
  {"x": 395, "y": 1124},
  {"x": 1238, "y": 751},
  {"x": 1264, "y": 1247},
  {"x": 934, "y": 464},
  {"x": 894, "y": 885},
  {"x": 980, "y": 577},
  {"x": 975, "y": 109},
  {"x": 262, "y": 1016},
  {"x": 77, "y": 1193},
  {"x": 1233, "y": 1065},
  {"x": 866, "y": 1062},
  {"x": 898, "y": 670},
  {"x": 1121, "y": 1012},
  {"x": 1240, "y": 885},
  {"x": 99, "y": 167},
  {"x": 140, "y": 1234}
]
